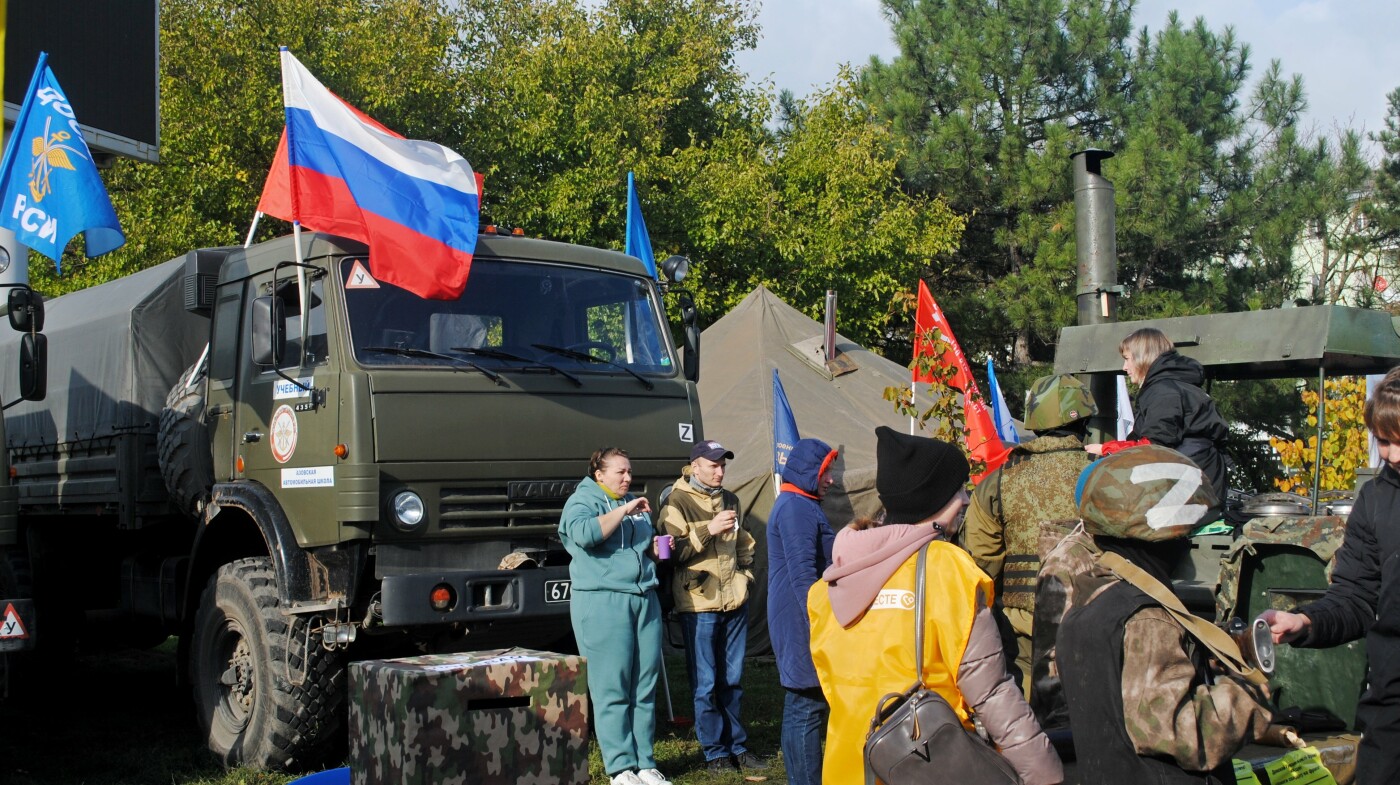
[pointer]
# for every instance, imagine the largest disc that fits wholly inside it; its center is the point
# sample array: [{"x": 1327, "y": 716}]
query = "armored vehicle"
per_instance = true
[{"x": 291, "y": 464}]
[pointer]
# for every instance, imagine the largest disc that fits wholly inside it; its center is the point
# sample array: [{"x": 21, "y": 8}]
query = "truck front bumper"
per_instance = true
[{"x": 477, "y": 596}]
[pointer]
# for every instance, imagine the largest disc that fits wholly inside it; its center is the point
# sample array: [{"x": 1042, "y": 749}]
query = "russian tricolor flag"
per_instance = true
[{"x": 337, "y": 170}]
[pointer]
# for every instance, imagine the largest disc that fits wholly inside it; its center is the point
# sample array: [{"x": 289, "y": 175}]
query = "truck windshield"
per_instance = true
[{"x": 510, "y": 317}]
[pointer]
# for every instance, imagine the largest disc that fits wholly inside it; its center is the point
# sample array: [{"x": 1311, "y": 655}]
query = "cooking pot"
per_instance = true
[
  {"x": 1277, "y": 504},
  {"x": 1337, "y": 502}
]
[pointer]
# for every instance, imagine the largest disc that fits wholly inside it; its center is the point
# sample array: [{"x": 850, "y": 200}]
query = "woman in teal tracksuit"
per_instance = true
[{"x": 615, "y": 613}]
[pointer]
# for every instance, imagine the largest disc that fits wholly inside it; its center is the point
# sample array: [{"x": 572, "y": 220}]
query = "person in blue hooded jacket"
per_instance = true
[
  {"x": 615, "y": 613},
  {"x": 799, "y": 549}
]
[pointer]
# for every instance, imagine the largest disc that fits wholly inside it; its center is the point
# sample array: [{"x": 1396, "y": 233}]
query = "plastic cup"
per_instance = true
[{"x": 663, "y": 546}]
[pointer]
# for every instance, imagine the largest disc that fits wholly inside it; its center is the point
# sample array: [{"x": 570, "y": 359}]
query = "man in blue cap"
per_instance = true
[{"x": 710, "y": 585}]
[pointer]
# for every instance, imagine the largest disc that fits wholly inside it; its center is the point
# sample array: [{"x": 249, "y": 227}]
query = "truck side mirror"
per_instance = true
[
  {"x": 26, "y": 308},
  {"x": 690, "y": 326},
  {"x": 33, "y": 366},
  {"x": 269, "y": 331}
]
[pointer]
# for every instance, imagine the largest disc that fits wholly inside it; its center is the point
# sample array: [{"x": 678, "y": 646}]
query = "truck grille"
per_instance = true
[{"x": 515, "y": 504}]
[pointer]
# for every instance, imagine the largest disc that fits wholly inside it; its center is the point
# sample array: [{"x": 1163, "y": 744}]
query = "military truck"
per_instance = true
[{"x": 291, "y": 464}]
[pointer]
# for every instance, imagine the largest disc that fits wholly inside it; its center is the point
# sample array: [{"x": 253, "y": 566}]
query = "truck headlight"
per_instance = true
[{"x": 408, "y": 511}]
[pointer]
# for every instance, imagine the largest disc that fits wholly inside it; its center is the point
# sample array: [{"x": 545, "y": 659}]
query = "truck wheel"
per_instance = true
[
  {"x": 268, "y": 695},
  {"x": 182, "y": 441}
]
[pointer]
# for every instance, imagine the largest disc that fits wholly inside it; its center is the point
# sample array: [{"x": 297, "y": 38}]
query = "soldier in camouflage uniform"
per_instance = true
[
  {"x": 1002, "y": 527},
  {"x": 1144, "y": 702}
]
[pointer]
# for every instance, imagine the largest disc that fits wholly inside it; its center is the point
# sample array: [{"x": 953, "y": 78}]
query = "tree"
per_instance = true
[
  {"x": 1383, "y": 211},
  {"x": 221, "y": 114},
  {"x": 577, "y": 99},
  {"x": 821, "y": 208},
  {"x": 554, "y": 101},
  {"x": 1344, "y": 440},
  {"x": 1343, "y": 258},
  {"x": 991, "y": 99}
]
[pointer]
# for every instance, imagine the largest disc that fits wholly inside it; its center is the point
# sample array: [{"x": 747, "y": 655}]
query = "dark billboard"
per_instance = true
[{"x": 105, "y": 55}]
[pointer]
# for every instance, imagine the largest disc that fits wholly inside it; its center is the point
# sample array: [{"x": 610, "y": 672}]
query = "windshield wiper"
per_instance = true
[
  {"x": 407, "y": 351},
  {"x": 496, "y": 354},
  {"x": 529, "y": 363},
  {"x": 585, "y": 357}
]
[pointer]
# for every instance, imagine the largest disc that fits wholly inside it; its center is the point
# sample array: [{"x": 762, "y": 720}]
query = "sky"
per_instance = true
[{"x": 1343, "y": 49}]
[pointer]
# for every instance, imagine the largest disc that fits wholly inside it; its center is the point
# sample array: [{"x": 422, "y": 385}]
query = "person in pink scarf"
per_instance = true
[{"x": 862, "y": 616}]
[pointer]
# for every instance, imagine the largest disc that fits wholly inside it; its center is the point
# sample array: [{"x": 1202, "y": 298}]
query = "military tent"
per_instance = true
[{"x": 841, "y": 407}]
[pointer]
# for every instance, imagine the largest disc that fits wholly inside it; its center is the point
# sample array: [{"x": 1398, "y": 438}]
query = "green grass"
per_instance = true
[{"x": 120, "y": 719}]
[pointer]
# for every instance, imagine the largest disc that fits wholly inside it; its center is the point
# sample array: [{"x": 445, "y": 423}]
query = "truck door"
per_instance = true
[
  {"x": 223, "y": 367},
  {"x": 287, "y": 426}
]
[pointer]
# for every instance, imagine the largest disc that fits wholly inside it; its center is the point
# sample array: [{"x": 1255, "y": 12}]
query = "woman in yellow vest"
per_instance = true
[{"x": 862, "y": 616}]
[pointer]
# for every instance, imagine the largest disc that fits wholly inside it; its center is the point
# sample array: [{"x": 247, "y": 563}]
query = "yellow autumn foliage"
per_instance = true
[{"x": 1344, "y": 444}]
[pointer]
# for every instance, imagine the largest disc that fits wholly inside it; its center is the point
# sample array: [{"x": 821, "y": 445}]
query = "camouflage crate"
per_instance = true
[{"x": 485, "y": 717}]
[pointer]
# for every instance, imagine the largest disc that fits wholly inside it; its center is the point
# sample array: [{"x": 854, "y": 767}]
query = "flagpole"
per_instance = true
[
  {"x": 257, "y": 216},
  {"x": 283, "y": 54},
  {"x": 914, "y": 401}
]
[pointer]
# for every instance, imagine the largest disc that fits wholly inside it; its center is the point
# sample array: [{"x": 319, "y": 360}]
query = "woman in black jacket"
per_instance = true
[{"x": 1171, "y": 408}]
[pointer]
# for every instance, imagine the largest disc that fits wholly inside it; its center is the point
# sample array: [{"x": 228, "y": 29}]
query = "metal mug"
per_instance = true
[{"x": 1255, "y": 641}]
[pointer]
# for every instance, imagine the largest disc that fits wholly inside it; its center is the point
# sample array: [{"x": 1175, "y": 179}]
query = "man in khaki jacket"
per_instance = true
[{"x": 713, "y": 560}]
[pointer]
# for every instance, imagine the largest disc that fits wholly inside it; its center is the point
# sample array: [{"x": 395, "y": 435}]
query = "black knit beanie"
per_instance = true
[{"x": 915, "y": 475}]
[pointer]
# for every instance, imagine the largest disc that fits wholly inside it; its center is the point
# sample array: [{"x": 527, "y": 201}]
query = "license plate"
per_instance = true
[{"x": 557, "y": 591}]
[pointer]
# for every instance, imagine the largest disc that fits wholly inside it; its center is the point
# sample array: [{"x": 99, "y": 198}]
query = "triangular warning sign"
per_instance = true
[
  {"x": 360, "y": 277},
  {"x": 11, "y": 626}
]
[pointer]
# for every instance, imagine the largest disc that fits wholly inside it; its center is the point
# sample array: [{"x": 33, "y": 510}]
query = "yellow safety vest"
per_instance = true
[{"x": 859, "y": 664}]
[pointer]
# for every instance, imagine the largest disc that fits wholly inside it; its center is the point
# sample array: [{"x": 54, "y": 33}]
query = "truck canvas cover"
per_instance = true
[
  {"x": 131, "y": 337},
  {"x": 1272, "y": 344}
]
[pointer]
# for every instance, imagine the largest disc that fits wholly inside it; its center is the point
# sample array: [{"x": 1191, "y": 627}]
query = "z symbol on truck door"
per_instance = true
[{"x": 284, "y": 433}]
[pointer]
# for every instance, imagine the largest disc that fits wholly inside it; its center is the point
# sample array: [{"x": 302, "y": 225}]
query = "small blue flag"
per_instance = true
[
  {"x": 1006, "y": 429},
  {"x": 784, "y": 426},
  {"x": 49, "y": 186},
  {"x": 638, "y": 241}
]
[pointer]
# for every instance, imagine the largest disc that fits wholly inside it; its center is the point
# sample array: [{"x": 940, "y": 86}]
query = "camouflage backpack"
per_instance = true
[
  {"x": 1066, "y": 550},
  {"x": 1321, "y": 534}
]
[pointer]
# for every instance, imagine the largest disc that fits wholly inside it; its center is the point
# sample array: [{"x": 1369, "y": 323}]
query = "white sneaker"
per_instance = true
[
  {"x": 652, "y": 777},
  {"x": 627, "y": 778}
]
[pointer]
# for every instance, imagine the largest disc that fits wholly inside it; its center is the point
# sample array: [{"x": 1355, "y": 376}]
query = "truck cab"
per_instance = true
[{"x": 291, "y": 463}]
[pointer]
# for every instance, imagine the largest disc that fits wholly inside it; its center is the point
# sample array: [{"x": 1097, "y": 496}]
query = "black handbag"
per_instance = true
[{"x": 916, "y": 737}]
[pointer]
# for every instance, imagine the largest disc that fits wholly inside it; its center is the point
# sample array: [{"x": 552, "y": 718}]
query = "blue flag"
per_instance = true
[
  {"x": 49, "y": 186},
  {"x": 1006, "y": 429},
  {"x": 784, "y": 426},
  {"x": 638, "y": 241}
]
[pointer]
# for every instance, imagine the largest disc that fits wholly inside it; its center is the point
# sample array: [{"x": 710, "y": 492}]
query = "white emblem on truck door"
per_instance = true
[
  {"x": 687, "y": 432},
  {"x": 284, "y": 433}
]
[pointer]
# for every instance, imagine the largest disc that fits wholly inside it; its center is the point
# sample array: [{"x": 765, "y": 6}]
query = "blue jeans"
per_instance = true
[
  {"x": 715, "y": 644},
  {"x": 804, "y": 718}
]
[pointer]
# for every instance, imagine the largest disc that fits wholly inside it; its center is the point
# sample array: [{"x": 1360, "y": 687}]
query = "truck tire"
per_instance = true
[
  {"x": 182, "y": 444},
  {"x": 269, "y": 696}
]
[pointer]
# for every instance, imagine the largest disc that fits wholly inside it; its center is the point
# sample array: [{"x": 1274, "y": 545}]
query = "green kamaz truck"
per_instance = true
[{"x": 290, "y": 464}]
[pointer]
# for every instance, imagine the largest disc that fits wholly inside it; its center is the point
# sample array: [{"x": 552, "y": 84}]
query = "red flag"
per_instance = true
[{"x": 982, "y": 440}]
